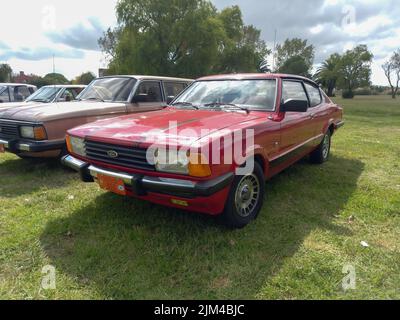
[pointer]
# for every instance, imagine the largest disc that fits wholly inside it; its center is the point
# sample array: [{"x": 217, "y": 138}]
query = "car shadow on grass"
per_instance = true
[
  {"x": 128, "y": 249},
  {"x": 25, "y": 176}
]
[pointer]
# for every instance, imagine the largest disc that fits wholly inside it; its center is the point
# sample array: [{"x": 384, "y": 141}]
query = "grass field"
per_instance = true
[{"x": 107, "y": 247}]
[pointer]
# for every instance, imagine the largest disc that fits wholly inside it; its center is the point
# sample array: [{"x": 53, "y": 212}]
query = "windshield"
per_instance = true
[
  {"x": 44, "y": 94},
  {"x": 109, "y": 89},
  {"x": 2, "y": 89},
  {"x": 245, "y": 94}
]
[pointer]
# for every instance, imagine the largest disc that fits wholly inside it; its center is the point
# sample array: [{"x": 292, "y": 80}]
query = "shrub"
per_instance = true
[{"x": 347, "y": 94}]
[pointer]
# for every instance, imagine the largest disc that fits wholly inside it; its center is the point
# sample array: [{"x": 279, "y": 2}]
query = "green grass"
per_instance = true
[{"x": 108, "y": 247}]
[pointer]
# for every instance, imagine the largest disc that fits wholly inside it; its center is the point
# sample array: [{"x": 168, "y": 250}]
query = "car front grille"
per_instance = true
[
  {"x": 8, "y": 130},
  {"x": 118, "y": 155}
]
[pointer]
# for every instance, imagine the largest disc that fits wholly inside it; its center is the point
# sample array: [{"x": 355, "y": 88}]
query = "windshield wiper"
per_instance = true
[
  {"x": 229, "y": 105},
  {"x": 92, "y": 99},
  {"x": 186, "y": 104},
  {"x": 38, "y": 100}
]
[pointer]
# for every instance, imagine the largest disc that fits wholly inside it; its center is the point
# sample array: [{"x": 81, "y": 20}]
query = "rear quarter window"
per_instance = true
[{"x": 314, "y": 95}]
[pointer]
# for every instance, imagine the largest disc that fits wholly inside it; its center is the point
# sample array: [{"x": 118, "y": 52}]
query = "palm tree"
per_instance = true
[{"x": 327, "y": 73}]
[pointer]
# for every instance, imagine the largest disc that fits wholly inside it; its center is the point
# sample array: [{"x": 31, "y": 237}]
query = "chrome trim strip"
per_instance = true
[
  {"x": 4, "y": 142},
  {"x": 297, "y": 147}
]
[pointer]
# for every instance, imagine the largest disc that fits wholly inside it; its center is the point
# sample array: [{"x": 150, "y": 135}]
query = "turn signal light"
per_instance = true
[
  {"x": 40, "y": 133},
  {"x": 199, "y": 166},
  {"x": 68, "y": 141}
]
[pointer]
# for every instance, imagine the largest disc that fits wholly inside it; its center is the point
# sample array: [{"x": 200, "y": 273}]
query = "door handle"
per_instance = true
[{"x": 312, "y": 115}]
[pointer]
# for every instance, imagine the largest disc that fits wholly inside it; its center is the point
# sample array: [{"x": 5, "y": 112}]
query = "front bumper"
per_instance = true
[
  {"x": 141, "y": 185},
  {"x": 18, "y": 146}
]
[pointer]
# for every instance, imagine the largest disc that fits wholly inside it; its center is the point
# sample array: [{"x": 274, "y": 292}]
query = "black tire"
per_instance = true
[
  {"x": 322, "y": 153},
  {"x": 231, "y": 216}
]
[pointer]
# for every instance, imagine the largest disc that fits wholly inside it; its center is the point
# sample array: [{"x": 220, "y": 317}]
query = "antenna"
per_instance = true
[
  {"x": 54, "y": 68},
  {"x": 274, "y": 52}
]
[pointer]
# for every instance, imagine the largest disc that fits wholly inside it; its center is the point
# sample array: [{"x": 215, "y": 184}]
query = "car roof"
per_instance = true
[
  {"x": 255, "y": 76},
  {"x": 16, "y": 84},
  {"x": 142, "y": 77},
  {"x": 65, "y": 86}
]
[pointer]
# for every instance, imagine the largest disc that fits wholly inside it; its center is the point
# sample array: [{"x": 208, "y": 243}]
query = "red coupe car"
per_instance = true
[{"x": 213, "y": 147}]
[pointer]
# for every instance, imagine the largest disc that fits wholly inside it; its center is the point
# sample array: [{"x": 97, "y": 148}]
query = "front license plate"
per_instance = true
[
  {"x": 2, "y": 149},
  {"x": 112, "y": 184}
]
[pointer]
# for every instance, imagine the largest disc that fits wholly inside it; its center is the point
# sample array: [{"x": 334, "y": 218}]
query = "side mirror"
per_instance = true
[
  {"x": 170, "y": 99},
  {"x": 292, "y": 105},
  {"x": 140, "y": 98}
]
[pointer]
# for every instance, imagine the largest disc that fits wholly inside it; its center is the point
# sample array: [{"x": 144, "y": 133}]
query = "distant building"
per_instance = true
[{"x": 22, "y": 78}]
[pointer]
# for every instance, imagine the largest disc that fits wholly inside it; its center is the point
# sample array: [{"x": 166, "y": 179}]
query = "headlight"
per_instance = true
[
  {"x": 33, "y": 132},
  {"x": 172, "y": 161},
  {"x": 179, "y": 162},
  {"x": 76, "y": 145}
]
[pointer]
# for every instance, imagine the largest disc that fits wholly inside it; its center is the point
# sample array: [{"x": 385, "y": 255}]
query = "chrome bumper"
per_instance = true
[
  {"x": 34, "y": 146},
  {"x": 140, "y": 184}
]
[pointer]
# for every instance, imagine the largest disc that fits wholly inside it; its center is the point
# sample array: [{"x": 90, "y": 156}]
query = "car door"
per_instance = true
[
  {"x": 296, "y": 127},
  {"x": 318, "y": 112},
  {"x": 151, "y": 97},
  {"x": 5, "y": 96}
]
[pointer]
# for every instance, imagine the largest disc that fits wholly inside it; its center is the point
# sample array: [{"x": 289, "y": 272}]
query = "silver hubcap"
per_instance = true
[
  {"x": 247, "y": 195},
  {"x": 326, "y": 145}
]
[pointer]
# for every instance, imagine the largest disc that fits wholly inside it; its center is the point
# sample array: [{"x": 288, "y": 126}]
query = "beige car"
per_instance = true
[
  {"x": 39, "y": 131},
  {"x": 47, "y": 94}
]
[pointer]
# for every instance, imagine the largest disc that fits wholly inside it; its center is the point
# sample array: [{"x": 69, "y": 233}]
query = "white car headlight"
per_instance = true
[
  {"x": 77, "y": 146},
  {"x": 27, "y": 132},
  {"x": 172, "y": 161}
]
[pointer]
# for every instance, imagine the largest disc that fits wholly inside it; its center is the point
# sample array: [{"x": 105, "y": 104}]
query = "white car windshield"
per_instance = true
[
  {"x": 44, "y": 94},
  {"x": 109, "y": 89},
  {"x": 242, "y": 94}
]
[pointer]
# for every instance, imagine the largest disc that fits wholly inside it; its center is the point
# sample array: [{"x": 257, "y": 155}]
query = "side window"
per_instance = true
[
  {"x": 21, "y": 93},
  {"x": 4, "y": 96},
  {"x": 172, "y": 89},
  {"x": 68, "y": 95},
  {"x": 151, "y": 90},
  {"x": 293, "y": 90},
  {"x": 314, "y": 94}
]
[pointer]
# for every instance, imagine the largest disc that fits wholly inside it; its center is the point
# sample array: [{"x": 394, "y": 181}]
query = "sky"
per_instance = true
[{"x": 31, "y": 32}]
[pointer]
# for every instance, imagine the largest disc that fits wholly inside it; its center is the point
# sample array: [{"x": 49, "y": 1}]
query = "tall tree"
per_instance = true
[
  {"x": 55, "y": 78},
  {"x": 295, "y": 53},
  {"x": 327, "y": 73},
  {"x": 355, "y": 69},
  {"x": 242, "y": 49},
  {"x": 186, "y": 38},
  {"x": 5, "y": 72},
  {"x": 84, "y": 78},
  {"x": 392, "y": 72}
]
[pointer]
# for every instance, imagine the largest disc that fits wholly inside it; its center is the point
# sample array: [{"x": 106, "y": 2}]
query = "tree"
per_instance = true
[
  {"x": 354, "y": 70},
  {"x": 181, "y": 38},
  {"x": 295, "y": 52},
  {"x": 242, "y": 49},
  {"x": 327, "y": 73},
  {"x": 5, "y": 72},
  {"x": 295, "y": 65},
  {"x": 392, "y": 72},
  {"x": 55, "y": 78},
  {"x": 84, "y": 78}
]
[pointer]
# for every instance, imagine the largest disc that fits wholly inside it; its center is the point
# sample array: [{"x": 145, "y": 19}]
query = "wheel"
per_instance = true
[
  {"x": 321, "y": 154},
  {"x": 245, "y": 199}
]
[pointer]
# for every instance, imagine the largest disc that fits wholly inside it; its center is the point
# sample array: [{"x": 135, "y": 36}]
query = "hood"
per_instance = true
[
  {"x": 172, "y": 126},
  {"x": 8, "y": 105},
  {"x": 62, "y": 110}
]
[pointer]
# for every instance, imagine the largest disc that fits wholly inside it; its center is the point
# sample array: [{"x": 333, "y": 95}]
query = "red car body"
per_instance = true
[{"x": 281, "y": 139}]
